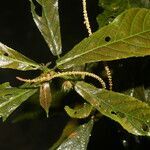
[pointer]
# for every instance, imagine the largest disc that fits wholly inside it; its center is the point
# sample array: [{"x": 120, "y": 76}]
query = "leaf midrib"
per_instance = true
[
  {"x": 49, "y": 28},
  {"x": 105, "y": 45},
  {"x": 110, "y": 106},
  {"x": 130, "y": 116},
  {"x": 19, "y": 61}
]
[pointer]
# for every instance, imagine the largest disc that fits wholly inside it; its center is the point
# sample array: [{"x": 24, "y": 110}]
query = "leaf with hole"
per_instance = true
[
  {"x": 127, "y": 36},
  {"x": 132, "y": 114},
  {"x": 78, "y": 140},
  {"x": 48, "y": 23},
  {"x": 10, "y": 58},
  {"x": 80, "y": 112},
  {"x": 11, "y": 98}
]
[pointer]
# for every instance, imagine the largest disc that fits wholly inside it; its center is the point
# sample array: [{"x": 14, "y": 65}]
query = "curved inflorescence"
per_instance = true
[{"x": 49, "y": 76}]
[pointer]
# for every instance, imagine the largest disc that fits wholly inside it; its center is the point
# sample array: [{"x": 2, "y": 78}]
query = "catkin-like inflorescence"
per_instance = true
[
  {"x": 86, "y": 18},
  {"x": 109, "y": 76},
  {"x": 48, "y": 77}
]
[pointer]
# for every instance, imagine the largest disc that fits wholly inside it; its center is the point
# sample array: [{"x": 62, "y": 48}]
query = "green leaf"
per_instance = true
[
  {"x": 26, "y": 115},
  {"x": 69, "y": 128},
  {"x": 137, "y": 92},
  {"x": 10, "y": 58},
  {"x": 111, "y": 10},
  {"x": 48, "y": 24},
  {"x": 131, "y": 113},
  {"x": 140, "y": 93},
  {"x": 11, "y": 98},
  {"x": 114, "y": 7},
  {"x": 79, "y": 139},
  {"x": 82, "y": 112},
  {"x": 127, "y": 36},
  {"x": 139, "y": 3},
  {"x": 4, "y": 85},
  {"x": 147, "y": 95}
]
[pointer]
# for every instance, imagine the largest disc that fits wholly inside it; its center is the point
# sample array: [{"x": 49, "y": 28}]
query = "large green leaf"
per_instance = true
[
  {"x": 48, "y": 24},
  {"x": 10, "y": 58},
  {"x": 127, "y": 36},
  {"x": 11, "y": 98},
  {"x": 132, "y": 114},
  {"x": 79, "y": 139}
]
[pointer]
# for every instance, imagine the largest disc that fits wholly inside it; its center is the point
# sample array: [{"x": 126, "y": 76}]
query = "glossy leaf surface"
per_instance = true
[
  {"x": 127, "y": 36},
  {"x": 10, "y": 58},
  {"x": 68, "y": 129},
  {"x": 131, "y": 113},
  {"x": 11, "y": 98},
  {"x": 48, "y": 24},
  {"x": 79, "y": 139}
]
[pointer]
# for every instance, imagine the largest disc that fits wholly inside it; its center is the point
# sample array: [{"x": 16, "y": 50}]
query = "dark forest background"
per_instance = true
[{"x": 17, "y": 30}]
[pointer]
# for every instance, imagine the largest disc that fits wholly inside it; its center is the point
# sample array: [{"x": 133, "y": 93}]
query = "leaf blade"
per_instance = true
[
  {"x": 79, "y": 138},
  {"x": 11, "y": 98},
  {"x": 12, "y": 59},
  {"x": 81, "y": 112},
  {"x": 114, "y": 7},
  {"x": 132, "y": 114},
  {"x": 70, "y": 127},
  {"x": 127, "y": 36},
  {"x": 48, "y": 24}
]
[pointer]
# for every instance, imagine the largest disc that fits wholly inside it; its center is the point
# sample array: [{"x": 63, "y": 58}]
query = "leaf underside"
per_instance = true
[
  {"x": 48, "y": 24},
  {"x": 127, "y": 36},
  {"x": 132, "y": 114}
]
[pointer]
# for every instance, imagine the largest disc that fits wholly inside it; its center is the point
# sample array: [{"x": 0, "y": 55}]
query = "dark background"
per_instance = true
[{"x": 18, "y": 31}]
